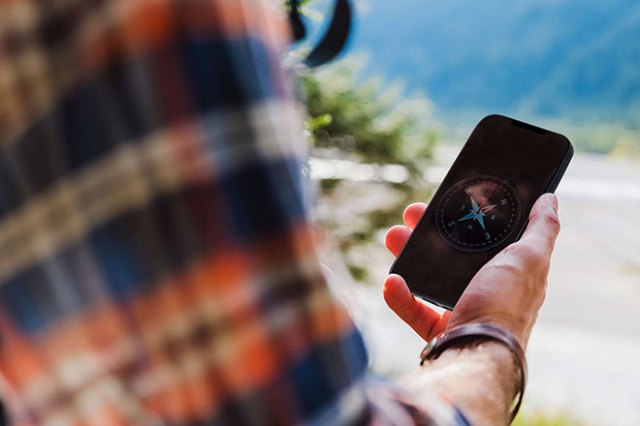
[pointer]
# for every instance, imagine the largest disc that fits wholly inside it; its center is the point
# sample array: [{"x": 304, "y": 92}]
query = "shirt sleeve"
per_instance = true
[{"x": 157, "y": 260}]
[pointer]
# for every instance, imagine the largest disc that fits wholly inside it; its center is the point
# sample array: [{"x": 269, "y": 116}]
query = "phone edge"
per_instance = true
[
  {"x": 551, "y": 187},
  {"x": 556, "y": 178}
]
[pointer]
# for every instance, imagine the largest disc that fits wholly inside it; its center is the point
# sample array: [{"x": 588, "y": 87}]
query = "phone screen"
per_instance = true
[{"x": 481, "y": 206}]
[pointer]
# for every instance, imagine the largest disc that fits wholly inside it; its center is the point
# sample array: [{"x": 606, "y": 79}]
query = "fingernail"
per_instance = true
[{"x": 553, "y": 200}]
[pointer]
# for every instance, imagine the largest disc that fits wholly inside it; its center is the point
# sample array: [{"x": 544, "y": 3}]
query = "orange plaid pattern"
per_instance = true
[{"x": 157, "y": 265}]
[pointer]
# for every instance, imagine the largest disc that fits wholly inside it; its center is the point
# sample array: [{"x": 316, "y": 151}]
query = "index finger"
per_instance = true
[
  {"x": 413, "y": 213},
  {"x": 423, "y": 319}
]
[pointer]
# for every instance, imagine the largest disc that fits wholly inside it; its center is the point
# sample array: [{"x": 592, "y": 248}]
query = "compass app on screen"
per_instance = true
[{"x": 481, "y": 206}]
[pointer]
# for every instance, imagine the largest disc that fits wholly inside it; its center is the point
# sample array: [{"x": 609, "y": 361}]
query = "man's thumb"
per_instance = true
[{"x": 543, "y": 220}]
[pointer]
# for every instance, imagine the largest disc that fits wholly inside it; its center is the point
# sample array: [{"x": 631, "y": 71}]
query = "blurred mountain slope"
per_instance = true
[{"x": 543, "y": 57}]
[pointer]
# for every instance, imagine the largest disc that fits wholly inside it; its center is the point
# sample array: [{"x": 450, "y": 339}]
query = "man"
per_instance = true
[{"x": 157, "y": 264}]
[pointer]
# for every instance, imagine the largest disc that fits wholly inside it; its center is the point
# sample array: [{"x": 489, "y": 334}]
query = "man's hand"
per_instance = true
[{"x": 508, "y": 291}]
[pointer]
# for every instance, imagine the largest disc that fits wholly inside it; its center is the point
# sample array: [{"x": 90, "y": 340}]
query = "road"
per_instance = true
[
  {"x": 583, "y": 354},
  {"x": 585, "y": 349}
]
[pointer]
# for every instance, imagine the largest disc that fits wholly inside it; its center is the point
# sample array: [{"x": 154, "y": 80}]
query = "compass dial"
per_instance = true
[{"x": 478, "y": 213}]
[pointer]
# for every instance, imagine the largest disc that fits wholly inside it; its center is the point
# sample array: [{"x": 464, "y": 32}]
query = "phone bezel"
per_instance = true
[{"x": 550, "y": 187}]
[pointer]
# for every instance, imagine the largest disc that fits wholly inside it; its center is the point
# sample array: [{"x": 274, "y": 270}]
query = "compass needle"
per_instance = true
[
  {"x": 458, "y": 213},
  {"x": 487, "y": 208},
  {"x": 474, "y": 204},
  {"x": 480, "y": 219},
  {"x": 470, "y": 215}
]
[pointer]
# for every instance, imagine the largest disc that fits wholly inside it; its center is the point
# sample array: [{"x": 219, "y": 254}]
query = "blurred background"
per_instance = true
[{"x": 388, "y": 119}]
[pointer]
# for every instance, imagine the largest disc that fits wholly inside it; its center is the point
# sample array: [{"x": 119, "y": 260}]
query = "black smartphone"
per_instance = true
[{"x": 481, "y": 206}]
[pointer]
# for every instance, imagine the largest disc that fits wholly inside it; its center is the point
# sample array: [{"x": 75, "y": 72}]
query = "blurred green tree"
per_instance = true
[
  {"x": 363, "y": 120},
  {"x": 356, "y": 119}
]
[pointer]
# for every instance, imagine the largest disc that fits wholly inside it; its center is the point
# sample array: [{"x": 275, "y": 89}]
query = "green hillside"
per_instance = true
[{"x": 544, "y": 58}]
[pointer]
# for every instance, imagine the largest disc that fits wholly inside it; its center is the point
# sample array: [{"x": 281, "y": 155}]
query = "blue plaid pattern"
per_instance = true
[{"x": 157, "y": 264}]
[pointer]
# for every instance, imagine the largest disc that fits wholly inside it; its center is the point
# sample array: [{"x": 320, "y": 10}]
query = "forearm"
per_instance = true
[{"x": 482, "y": 379}]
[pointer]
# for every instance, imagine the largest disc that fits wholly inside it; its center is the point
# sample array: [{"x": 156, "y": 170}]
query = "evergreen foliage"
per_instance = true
[{"x": 361, "y": 121}]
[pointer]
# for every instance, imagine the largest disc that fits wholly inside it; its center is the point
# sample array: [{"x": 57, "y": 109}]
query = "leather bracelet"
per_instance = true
[{"x": 472, "y": 333}]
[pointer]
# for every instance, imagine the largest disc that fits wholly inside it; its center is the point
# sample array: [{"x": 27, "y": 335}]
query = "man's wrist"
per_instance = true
[{"x": 496, "y": 345}]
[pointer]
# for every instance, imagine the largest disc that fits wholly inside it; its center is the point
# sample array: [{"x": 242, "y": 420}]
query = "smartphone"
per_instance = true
[{"x": 481, "y": 206}]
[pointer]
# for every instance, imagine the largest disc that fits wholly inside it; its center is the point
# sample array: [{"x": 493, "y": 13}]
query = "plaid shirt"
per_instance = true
[{"x": 157, "y": 264}]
